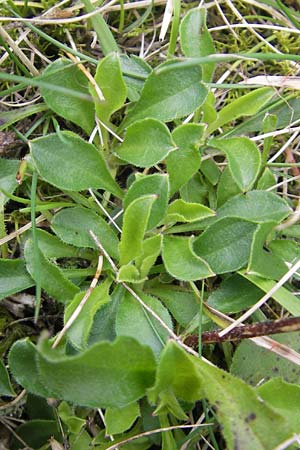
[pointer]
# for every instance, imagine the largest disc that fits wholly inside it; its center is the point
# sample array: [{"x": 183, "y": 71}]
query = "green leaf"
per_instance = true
[
  {"x": 211, "y": 171},
  {"x": 194, "y": 191},
  {"x": 284, "y": 297},
  {"x": 181, "y": 303},
  {"x": 256, "y": 206},
  {"x": 72, "y": 226},
  {"x": 147, "y": 142},
  {"x": 181, "y": 211},
  {"x": 52, "y": 279},
  {"x": 79, "y": 331},
  {"x": 68, "y": 417},
  {"x": 118, "y": 420},
  {"x": 134, "y": 321},
  {"x": 254, "y": 364},
  {"x": 169, "y": 95},
  {"x": 156, "y": 184},
  {"x": 52, "y": 247},
  {"x": 13, "y": 277},
  {"x": 181, "y": 261},
  {"x": 135, "y": 70},
  {"x": 68, "y": 162},
  {"x": 235, "y": 294},
  {"x": 226, "y": 187},
  {"x": 244, "y": 159},
  {"x": 8, "y": 182},
  {"x": 37, "y": 433},
  {"x": 267, "y": 180},
  {"x": 79, "y": 111},
  {"x": 226, "y": 244},
  {"x": 105, "y": 375},
  {"x": 285, "y": 249},
  {"x": 261, "y": 262},
  {"x": 135, "y": 223},
  {"x": 284, "y": 398},
  {"x": 195, "y": 39},
  {"x": 151, "y": 250},
  {"x": 188, "y": 137},
  {"x": 5, "y": 384},
  {"x": 110, "y": 80},
  {"x": 247, "y": 105}
]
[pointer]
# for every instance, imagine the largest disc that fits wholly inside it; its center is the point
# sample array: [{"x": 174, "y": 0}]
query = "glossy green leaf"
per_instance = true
[
  {"x": 181, "y": 211},
  {"x": 226, "y": 187},
  {"x": 284, "y": 297},
  {"x": 182, "y": 304},
  {"x": 187, "y": 137},
  {"x": 13, "y": 277},
  {"x": 261, "y": 262},
  {"x": 147, "y": 142},
  {"x": 68, "y": 417},
  {"x": 79, "y": 331},
  {"x": 62, "y": 73},
  {"x": 234, "y": 294},
  {"x": 68, "y": 162},
  {"x": 105, "y": 375},
  {"x": 169, "y": 95},
  {"x": 226, "y": 244},
  {"x": 110, "y": 80},
  {"x": 254, "y": 364},
  {"x": 256, "y": 206},
  {"x": 244, "y": 159},
  {"x": 195, "y": 39},
  {"x": 135, "y": 224},
  {"x": 72, "y": 226},
  {"x": 134, "y": 321},
  {"x": 52, "y": 279},
  {"x": 5, "y": 384},
  {"x": 156, "y": 184},
  {"x": 151, "y": 250},
  {"x": 284, "y": 398},
  {"x": 181, "y": 261},
  {"x": 246, "y": 105},
  {"x": 8, "y": 172},
  {"x": 118, "y": 420}
]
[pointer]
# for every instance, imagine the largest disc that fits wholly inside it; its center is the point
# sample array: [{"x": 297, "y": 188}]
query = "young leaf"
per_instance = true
[
  {"x": 244, "y": 159},
  {"x": 110, "y": 80},
  {"x": 169, "y": 95},
  {"x": 267, "y": 180},
  {"x": 156, "y": 184},
  {"x": 226, "y": 187},
  {"x": 262, "y": 263},
  {"x": 88, "y": 378},
  {"x": 147, "y": 142},
  {"x": 68, "y": 162},
  {"x": 181, "y": 211},
  {"x": 211, "y": 171},
  {"x": 135, "y": 71},
  {"x": 72, "y": 226},
  {"x": 134, "y": 321},
  {"x": 254, "y": 364},
  {"x": 188, "y": 138},
  {"x": 118, "y": 420},
  {"x": 247, "y": 105},
  {"x": 226, "y": 244},
  {"x": 181, "y": 261},
  {"x": 52, "y": 279},
  {"x": 13, "y": 277},
  {"x": 130, "y": 274},
  {"x": 68, "y": 417},
  {"x": 79, "y": 331},
  {"x": 256, "y": 206},
  {"x": 196, "y": 40},
  {"x": 134, "y": 227},
  {"x": 151, "y": 250},
  {"x": 67, "y": 75}
]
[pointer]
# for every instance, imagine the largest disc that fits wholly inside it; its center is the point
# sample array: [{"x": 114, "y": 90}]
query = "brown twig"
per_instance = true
[{"x": 247, "y": 331}]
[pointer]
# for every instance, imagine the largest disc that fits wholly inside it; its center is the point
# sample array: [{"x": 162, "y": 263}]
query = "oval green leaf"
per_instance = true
[
  {"x": 147, "y": 142},
  {"x": 68, "y": 162},
  {"x": 180, "y": 260},
  {"x": 181, "y": 211}
]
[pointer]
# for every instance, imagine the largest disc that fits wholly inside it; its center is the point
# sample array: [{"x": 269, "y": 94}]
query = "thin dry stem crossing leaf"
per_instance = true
[
  {"x": 166, "y": 20},
  {"x": 274, "y": 80},
  {"x": 81, "y": 304},
  {"x": 21, "y": 230}
]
